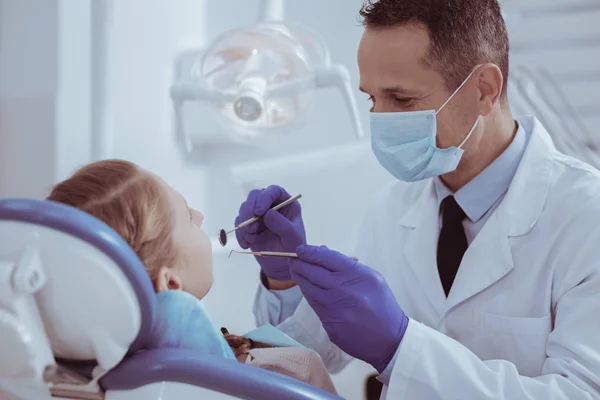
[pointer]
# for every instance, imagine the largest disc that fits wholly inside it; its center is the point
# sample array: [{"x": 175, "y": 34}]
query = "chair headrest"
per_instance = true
[{"x": 94, "y": 279}]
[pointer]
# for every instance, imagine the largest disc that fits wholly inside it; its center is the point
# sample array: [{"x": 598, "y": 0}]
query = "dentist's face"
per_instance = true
[{"x": 395, "y": 75}]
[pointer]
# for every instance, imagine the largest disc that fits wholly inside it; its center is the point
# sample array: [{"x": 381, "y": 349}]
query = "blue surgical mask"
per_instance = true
[{"x": 405, "y": 143}]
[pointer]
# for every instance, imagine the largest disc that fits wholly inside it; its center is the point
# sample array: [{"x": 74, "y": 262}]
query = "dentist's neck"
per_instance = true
[{"x": 499, "y": 129}]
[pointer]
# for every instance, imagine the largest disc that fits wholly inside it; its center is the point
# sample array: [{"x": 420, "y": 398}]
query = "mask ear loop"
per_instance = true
[
  {"x": 470, "y": 132},
  {"x": 457, "y": 90},
  {"x": 452, "y": 96}
]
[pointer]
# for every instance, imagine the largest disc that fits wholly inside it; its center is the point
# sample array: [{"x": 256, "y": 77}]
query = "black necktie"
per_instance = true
[{"x": 452, "y": 242}]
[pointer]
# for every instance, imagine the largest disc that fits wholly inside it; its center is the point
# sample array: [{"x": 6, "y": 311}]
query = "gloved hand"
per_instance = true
[
  {"x": 354, "y": 303},
  {"x": 281, "y": 230}
]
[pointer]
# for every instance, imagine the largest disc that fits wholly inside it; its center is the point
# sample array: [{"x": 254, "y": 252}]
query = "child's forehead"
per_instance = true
[{"x": 177, "y": 200}]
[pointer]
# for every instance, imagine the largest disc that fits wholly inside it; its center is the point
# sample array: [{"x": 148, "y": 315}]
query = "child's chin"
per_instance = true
[{"x": 202, "y": 294}]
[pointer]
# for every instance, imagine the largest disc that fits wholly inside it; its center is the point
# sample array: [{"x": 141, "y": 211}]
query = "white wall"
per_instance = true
[
  {"x": 26, "y": 90},
  {"x": 44, "y": 93},
  {"x": 146, "y": 37}
]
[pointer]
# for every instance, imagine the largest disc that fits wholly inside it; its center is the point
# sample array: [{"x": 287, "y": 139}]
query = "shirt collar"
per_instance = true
[{"x": 483, "y": 191}]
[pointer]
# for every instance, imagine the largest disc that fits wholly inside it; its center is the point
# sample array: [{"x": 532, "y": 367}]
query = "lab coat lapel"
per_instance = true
[
  {"x": 420, "y": 248},
  {"x": 487, "y": 260}
]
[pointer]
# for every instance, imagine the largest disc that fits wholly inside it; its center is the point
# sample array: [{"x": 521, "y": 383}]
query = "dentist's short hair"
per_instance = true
[{"x": 463, "y": 33}]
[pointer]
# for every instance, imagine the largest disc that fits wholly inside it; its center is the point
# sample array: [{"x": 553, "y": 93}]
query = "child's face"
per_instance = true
[{"x": 193, "y": 273}]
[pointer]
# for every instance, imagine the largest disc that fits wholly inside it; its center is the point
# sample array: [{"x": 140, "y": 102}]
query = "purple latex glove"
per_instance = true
[
  {"x": 354, "y": 303},
  {"x": 281, "y": 230}
]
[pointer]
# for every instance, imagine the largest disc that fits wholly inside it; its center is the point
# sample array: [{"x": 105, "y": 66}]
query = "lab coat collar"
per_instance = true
[
  {"x": 486, "y": 189},
  {"x": 526, "y": 197}
]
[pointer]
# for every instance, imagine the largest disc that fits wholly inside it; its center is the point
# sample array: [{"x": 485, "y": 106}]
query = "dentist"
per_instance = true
[{"x": 479, "y": 272}]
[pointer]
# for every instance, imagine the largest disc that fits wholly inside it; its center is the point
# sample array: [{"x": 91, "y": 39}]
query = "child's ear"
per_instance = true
[{"x": 167, "y": 279}]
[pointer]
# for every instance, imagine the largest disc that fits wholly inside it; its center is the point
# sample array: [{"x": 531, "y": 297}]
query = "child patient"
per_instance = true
[{"x": 167, "y": 236}]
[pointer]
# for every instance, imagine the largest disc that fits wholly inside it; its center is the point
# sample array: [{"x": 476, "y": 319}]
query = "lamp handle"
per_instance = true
[
  {"x": 339, "y": 76},
  {"x": 272, "y": 10}
]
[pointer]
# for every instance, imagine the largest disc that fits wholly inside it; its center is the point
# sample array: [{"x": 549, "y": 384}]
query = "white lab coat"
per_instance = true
[{"x": 522, "y": 320}]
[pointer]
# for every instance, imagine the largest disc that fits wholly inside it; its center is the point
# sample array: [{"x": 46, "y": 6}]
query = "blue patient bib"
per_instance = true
[
  {"x": 268, "y": 334},
  {"x": 182, "y": 322}
]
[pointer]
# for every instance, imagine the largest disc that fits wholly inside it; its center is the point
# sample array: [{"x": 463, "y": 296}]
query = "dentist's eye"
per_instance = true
[
  {"x": 403, "y": 101},
  {"x": 372, "y": 100}
]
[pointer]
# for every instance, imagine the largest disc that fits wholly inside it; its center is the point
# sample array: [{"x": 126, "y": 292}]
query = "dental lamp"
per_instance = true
[
  {"x": 259, "y": 81},
  {"x": 242, "y": 98}
]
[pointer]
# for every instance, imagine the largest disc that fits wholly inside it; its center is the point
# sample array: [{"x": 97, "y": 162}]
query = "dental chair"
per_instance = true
[{"x": 76, "y": 310}]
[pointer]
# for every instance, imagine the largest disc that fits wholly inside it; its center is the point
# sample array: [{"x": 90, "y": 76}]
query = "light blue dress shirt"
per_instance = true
[
  {"x": 478, "y": 199},
  {"x": 482, "y": 195}
]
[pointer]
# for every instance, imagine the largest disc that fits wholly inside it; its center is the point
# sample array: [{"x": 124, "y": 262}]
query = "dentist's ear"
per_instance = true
[
  {"x": 167, "y": 279},
  {"x": 490, "y": 83}
]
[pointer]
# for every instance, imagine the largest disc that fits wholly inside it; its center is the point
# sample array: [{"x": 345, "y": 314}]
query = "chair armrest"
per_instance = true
[{"x": 210, "y": 372}]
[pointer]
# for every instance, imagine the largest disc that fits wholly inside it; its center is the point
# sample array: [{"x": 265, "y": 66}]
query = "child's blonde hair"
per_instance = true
[{"x": 129, "y": 200}]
